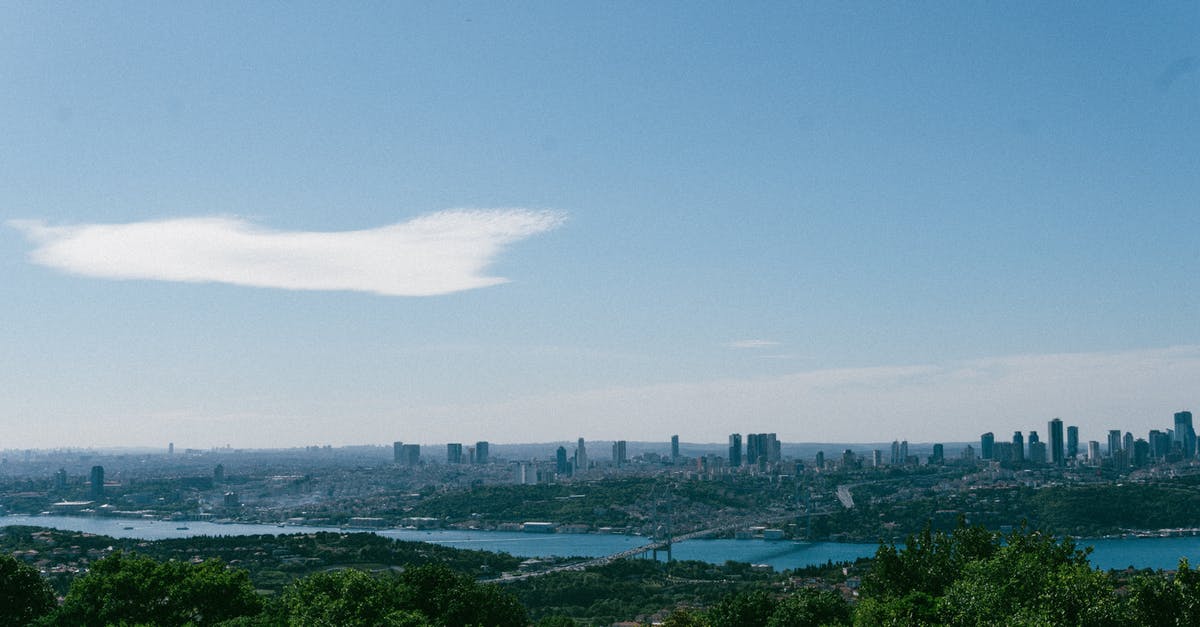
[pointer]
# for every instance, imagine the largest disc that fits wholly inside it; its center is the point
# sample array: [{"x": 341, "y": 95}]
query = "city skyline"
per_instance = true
[{"x": 828, "y": 221}]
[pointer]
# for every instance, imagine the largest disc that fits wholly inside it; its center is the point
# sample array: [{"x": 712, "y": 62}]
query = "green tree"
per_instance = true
[
  {"x": 929, "y": 561},
  {"x": 347, "y": 598},
  {"x": 1033, "y": 579},
  {"x": 1158, "y": 601},
  {"x": 131, "y": 589},
  {"x": 810, "y": 607},
  {"x": 455, "y": 599},
  {"x": 686, "y": 618},
  {"x": 24, "y": 595},
  {"x": 743, "y": 609}
]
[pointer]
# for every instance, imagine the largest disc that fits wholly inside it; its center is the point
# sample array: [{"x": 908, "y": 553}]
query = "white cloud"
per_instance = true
[
  {"x": 752, "y": 344},
  {"x": 437, "y": 253}
]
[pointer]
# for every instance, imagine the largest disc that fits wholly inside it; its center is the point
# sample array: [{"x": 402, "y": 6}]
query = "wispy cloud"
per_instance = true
[
  {"x": 437, "y": 253},
  {"x": 1132, "y": 390},
  {"x": 741, "y": 344}
]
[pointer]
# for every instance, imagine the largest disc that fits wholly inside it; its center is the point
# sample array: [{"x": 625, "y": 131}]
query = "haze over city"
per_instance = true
[{"x": 234, "y": 224}]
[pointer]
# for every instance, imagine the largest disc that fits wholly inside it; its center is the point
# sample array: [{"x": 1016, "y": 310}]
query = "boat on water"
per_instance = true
[{"x": 182, "y": 528}]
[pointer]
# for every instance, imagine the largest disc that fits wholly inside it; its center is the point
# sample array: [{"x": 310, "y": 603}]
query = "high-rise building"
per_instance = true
[
  {"x": 620, "y": 454},
  {"x": 1141, "y": 452},
  {"x": 1018, "y": 447},
  {"x": 560, "y": 462},
  {"x": 410, "y": 455},
  {"x": 1037, "y": 452},
  {"x": 1033, "y": 437},
  {"x": 1057, "y": 450},
  {"x": 1093, "y": 452},
  {"x": 454, "y": 452},
  {"x": 986, "y": 442},
  {"x": 170, "y": 448},
  {"x": 97, "y": 482},
  {"x": 1160, "y": 444},
  {"x": 735, "y": 450},
  {"x": 397, "y": 452},
  {"x": 674, "y": 449},
  {"x": 819, "y": 460},
  {"x": 1002, "y": 452},
  {"x": 877, "y": 458},
  {"x": 481, "y": 452},
  {"x": 60, "y": 479},
  {"x": 1114, "y": 442},
  {"x": 219, "y": 474},
  {"x": 903, "y": 451},
  {"x": 581, "y": 459},
  {"x": 895, "y": 459},
  {"x": 1072, "y": 441},
  {"x": 1185, "y": 434},
  {"x": 938, "y": 456},
  {"x": 1127, "y": 445},
  {"x": 761, "y": 448}
]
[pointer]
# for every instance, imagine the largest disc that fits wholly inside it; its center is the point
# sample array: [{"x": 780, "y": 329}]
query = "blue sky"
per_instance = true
[{"x": 835, "y": 221}]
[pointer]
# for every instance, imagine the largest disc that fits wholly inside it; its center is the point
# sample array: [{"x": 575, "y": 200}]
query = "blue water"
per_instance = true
[{"x": 1115, "y": 553}]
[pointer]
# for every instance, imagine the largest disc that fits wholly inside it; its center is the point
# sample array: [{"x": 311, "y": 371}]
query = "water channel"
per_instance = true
[{"x": 1107, "y": 553}]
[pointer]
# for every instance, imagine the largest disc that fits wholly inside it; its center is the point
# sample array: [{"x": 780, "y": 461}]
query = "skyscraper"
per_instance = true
[
  {"x": 1114, "y": 442},
  {"x": 674, "y": 449},
  {"x": 397, "y": 452},
  {"x": 735, "y": 450},
  {"x": 454, "y": 453},
  {"x": 410, "y": 455},
  {"x": 1018, "y": 447},
  {"x": 581, "y": 459},
  {"x": 560, "y": 462},
  {"x": 1185, "y": 434},
  {"x": 97, "y": 482},
  {"x": 1057, "y": 451},
  {"x": 481, "y": 452},
  {"x": 1072, "y": 441},
  {"x": 620, "y": 454},
  {"x": 986, "y": 442}
]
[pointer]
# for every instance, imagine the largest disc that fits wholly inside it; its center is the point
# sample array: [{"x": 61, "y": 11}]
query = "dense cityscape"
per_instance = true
[
  {"x": 599, "y": 314},
  {"x": 662, "y": 496}
]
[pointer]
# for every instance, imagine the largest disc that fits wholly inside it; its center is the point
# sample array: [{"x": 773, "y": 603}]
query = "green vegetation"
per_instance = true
[
  {"x": 964, "y": 576},
  {"x": 24, "y": 595},
  {"x": 272, "y": 561}
]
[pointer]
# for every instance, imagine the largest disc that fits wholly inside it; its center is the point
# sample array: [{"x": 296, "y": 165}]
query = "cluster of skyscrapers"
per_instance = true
[
  {"x": 410, "y": 454},
  {"x": 1122, "y": 450},
  {"x": 761, "y": 449}
]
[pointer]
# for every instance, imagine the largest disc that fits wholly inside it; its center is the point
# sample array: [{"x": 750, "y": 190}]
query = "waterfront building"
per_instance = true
[{"x": 97, "y": 482}]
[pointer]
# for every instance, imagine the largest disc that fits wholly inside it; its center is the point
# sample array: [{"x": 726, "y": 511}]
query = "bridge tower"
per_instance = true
[{"x": 663, "y": 507}]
